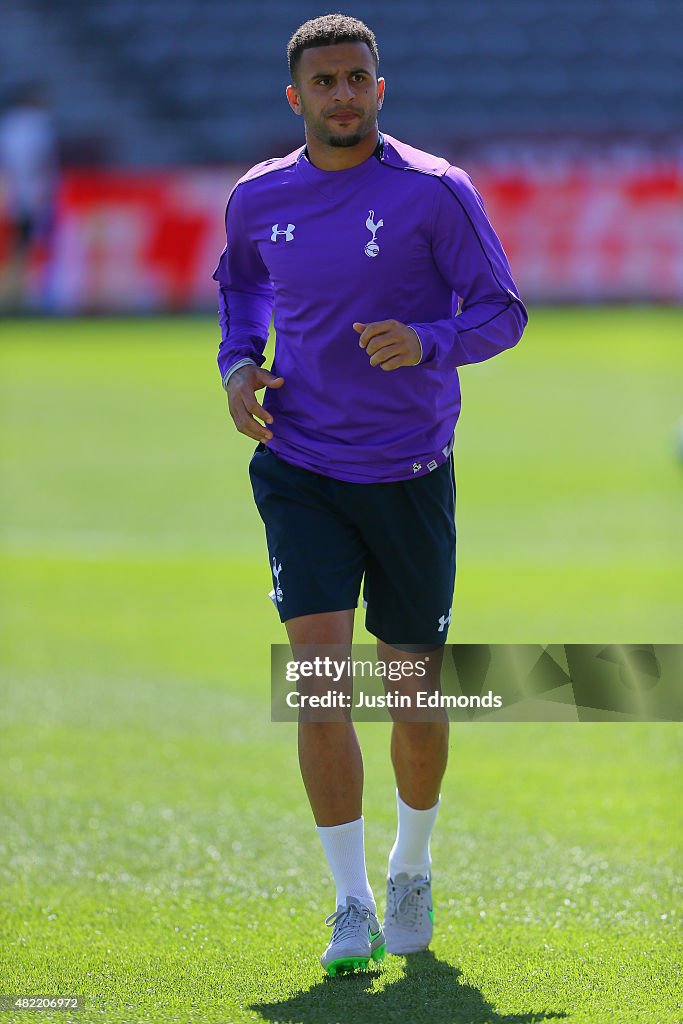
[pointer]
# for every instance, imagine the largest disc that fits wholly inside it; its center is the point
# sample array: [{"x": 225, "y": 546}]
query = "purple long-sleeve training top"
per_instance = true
[{"x": 403, "y": 236}]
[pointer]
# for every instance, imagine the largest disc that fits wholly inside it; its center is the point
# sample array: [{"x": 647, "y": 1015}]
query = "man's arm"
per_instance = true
[
  {"x": 245, "y": 294},
  {"x": 471, "y": 259},
  {"x": 245, "y": 305}
]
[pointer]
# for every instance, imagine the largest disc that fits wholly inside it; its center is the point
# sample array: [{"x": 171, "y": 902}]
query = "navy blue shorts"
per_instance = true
[{"x": 325, "y": 536}]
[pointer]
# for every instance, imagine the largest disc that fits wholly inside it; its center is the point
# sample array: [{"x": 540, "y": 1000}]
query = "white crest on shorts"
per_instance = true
[
  {"x": 444, "y": 620},
  {"x": 277, "y": 569},
  {"x": 372, "y": 248},
  {"x": 417, "y": 466}
]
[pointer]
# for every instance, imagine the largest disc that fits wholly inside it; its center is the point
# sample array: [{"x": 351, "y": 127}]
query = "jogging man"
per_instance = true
[{"x": 365, "y": 249}]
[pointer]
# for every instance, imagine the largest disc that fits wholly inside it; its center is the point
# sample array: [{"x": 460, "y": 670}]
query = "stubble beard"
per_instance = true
[
  {"x": 344, "y": 141},
  {"x": 324, "y": 135}
]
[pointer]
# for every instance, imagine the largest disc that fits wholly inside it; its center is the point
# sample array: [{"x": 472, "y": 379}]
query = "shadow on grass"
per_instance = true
[{"x": 429, "y": 990}]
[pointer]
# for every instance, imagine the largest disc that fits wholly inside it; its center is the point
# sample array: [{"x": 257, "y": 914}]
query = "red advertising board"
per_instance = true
[{"x": 574, "y": 232}]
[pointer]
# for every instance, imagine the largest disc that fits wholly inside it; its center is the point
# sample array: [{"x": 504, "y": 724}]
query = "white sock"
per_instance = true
[
  {"x": 344, "y": 847},
  {"x": 410, "y": 852}
]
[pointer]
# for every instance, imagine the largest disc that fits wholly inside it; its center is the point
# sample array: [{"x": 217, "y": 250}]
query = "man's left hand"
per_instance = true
[{"x": 390, "y": 344}]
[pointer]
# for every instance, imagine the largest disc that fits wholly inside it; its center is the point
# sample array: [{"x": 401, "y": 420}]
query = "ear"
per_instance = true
[
  {"x": 380, "y": 93},
  {"x": 292, "y": 94}
]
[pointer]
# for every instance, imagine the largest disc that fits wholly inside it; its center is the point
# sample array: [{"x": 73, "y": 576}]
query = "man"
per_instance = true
[
  {"x": 29, "y": 168},
  {"x": 364, "y": 248}
]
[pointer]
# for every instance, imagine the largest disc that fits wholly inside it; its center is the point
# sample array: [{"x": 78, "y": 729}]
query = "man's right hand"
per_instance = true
[{"x": 241, "y": 389}]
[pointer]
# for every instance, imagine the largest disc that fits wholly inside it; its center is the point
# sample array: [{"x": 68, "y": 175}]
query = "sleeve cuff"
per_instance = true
[
  {"x": 419, "y": 339},
  {"x": 236, "y": 366}
]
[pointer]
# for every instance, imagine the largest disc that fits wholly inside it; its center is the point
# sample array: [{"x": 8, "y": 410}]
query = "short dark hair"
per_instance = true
[{"x": 328, "y": 30}]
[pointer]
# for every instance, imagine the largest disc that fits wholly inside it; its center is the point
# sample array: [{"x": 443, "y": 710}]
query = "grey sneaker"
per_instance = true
[
  {"x": 409, "y": 920},
  {"x": 357, "y": 938}
]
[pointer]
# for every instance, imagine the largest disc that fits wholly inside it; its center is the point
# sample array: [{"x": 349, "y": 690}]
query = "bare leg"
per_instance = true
[
  {"x": 419, "y": 750},
  {"x": 329, "y": 755}
]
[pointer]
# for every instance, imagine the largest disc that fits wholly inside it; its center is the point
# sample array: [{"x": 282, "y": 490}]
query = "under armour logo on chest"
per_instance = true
[{"x": 288, "y": 232}]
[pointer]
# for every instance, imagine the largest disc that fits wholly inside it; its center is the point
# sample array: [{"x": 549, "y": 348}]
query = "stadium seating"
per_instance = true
[{"x": 168, "y": 81}]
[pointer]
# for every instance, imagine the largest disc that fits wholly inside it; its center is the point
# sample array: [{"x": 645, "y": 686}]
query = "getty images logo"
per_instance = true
[{"x": 288, "y": 232}]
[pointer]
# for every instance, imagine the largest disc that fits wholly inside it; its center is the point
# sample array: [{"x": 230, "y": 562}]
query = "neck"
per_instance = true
[{"x": 339, "y": 158}]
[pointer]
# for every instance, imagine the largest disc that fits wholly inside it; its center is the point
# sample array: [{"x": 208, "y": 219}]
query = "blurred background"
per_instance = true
[
  {"x": 124, "y": 127},
  {"x": 141, "y": 780},
  {"x": 134, "y": 120}
]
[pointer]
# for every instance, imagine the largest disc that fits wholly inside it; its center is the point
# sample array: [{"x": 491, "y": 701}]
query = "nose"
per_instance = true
[{"x": 343, "y": 92}]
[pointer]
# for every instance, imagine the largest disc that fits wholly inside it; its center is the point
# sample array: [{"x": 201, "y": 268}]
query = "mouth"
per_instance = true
[{"x": 344, "y": 117}]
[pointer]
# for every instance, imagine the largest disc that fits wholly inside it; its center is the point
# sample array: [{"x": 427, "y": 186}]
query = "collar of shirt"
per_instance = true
[{"x": 377, "y": 152}]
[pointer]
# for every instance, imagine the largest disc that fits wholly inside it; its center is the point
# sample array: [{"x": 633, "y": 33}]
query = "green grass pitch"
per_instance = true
[{"x": 157, "y": 854}]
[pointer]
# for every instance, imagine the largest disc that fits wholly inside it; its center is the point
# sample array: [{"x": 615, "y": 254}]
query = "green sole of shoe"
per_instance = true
[{"x": 349, "y": 964}]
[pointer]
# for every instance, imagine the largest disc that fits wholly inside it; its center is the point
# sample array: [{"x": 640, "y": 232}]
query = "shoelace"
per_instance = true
[
  {"x": 409, "y": 902},
  {"x": 343, "y": 922}
]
